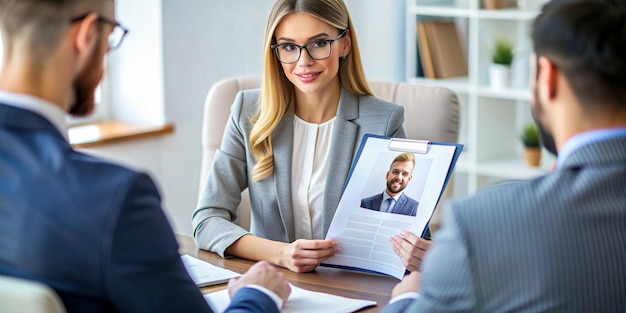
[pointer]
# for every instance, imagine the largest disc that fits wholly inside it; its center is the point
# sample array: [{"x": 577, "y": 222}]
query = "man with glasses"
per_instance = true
[{"x": 92, "y": 230}]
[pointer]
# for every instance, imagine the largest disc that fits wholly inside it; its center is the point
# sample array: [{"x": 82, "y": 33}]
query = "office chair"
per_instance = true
[
  {"x": 430, "y": 113},
  {"x": 25, "y": 296}
]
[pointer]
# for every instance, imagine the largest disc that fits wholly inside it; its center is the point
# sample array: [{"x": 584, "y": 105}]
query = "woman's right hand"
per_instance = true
[{"x": 305, "y": 255}]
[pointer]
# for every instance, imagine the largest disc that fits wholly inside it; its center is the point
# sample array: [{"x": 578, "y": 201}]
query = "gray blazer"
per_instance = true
[
  {"x": 272, "y": 213},
  {"x": 552, "y": 244}
]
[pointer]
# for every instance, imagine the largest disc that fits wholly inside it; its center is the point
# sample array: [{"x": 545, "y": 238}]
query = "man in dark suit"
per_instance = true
[
  {"x": 92, "y": 230},
  {"x": 393, "y": 199},
  {"x": 555, "y": 243}
]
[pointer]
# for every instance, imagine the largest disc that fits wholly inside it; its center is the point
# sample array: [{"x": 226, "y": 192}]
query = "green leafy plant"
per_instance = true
[
  {"x": 530, "y": 136},
  {"x": 502, "y": 52}
]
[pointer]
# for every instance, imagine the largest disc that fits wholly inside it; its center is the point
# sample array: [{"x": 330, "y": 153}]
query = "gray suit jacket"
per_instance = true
[
  {"x": 272, "y": 213},
  {"x": 405, "y": 205},
  {"x": 552, "y": 244}
]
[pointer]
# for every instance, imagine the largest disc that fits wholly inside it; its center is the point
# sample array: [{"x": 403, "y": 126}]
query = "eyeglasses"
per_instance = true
[
  {"x": 116, "y": 36},
  {"x": 289, "y": 53}
]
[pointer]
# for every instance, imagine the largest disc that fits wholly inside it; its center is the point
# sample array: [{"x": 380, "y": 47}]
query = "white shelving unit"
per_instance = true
[{"x": 491, "y": 119}]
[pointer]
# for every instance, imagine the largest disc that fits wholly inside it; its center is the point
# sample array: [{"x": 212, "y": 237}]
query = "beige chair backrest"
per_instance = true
[
  {"x": 24, "y": 296},
  {"x": 430, "y": 113}
]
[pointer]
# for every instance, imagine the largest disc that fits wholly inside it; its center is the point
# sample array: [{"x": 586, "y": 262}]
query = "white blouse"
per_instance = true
[{"x": 309, "y": 166}]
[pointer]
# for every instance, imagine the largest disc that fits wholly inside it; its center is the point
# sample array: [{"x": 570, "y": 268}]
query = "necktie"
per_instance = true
[{"x": 392, "y": 203}]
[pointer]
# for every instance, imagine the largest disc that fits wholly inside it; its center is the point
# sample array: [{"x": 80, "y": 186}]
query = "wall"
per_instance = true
[{"x": 203, "y": 42}]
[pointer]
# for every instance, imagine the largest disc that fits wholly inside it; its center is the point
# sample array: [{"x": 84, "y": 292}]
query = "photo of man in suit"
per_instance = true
[
  {"x": 92, "y": 230},
  {"x": 554, "y": 243},
  {"x": 393, "y": 199}
]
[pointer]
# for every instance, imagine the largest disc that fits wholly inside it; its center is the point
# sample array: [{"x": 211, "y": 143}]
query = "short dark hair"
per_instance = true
[
  {"x": 586, "y": 40},
  {"x": 41, "y": 23}
]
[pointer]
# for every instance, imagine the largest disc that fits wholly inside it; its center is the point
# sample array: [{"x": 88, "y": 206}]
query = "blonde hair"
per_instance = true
[
  {"x": 403, "y": 157},
  {"x": 277, "y": 92}
]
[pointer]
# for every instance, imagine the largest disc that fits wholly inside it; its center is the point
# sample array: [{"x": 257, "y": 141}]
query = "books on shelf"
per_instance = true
[
  {"x": 440, "y": 51},
  {"x": 425, "y": 58}
]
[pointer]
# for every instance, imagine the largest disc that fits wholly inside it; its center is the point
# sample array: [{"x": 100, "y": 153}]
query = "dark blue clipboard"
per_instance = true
[{"x": 457, "y": 153}]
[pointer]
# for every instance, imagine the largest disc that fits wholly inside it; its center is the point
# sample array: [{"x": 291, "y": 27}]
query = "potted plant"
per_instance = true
[
  {"x": 493, "y": 4},
  {"x": 532, "y": 144},
  {"x": 500, "y": 67}
]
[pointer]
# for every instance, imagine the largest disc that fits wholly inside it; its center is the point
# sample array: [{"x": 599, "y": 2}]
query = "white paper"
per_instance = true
[
  {"x": 363, "y": 234},
  {"x": 206, "y": 274},
  {"x": 301, "y": 301}
]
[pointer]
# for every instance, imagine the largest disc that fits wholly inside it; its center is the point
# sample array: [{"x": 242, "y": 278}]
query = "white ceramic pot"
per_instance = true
[{"x": 499, "y": 76}]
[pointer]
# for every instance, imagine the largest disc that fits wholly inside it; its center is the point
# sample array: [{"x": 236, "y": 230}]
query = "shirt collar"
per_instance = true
[
  {"x": 386, "y": 196},
  {"x": 46, "y": 109},
  {"x": 585, "y": 138}
]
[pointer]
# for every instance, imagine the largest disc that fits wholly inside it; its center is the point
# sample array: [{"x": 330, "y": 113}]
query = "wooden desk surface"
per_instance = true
[{"x": 340, "y": 282}]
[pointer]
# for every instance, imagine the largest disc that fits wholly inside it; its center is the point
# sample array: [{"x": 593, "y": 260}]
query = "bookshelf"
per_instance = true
[{"x": 491, "y": 119}]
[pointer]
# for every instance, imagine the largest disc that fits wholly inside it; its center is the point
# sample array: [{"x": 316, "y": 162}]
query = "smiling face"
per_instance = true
[
  {"x": 311, "y": 76},
  {"x": 398, "y": 177}
]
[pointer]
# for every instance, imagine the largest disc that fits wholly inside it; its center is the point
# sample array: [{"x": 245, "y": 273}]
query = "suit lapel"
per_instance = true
[
  {"x": 282, "y": 143},
  {"x": 378, "y": 202},
  {"x": 400, "y": 204},
  {"x": 342, "y": 149}
]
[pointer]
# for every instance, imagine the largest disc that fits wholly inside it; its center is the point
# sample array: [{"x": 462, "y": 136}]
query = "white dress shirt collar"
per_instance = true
[
  {"x": 387, "y": 196},
  {"x": 47, "y": 110}
]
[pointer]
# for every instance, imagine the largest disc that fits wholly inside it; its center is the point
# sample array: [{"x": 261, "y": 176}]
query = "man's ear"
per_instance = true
[
  {"x": 547, "y": 80},
  {"x": 85, "y": 34}
]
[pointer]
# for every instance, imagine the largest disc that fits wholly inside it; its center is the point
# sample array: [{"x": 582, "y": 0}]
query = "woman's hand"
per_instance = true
[
  {"x": 305, "y": 255},
  {"x": 410, "y": 248}
]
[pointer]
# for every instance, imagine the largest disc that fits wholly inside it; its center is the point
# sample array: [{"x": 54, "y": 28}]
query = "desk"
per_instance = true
[{"x": 339, "y": 282}]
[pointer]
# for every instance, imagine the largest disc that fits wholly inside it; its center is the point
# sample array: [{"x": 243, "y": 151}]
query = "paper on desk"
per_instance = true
[
  {"x": 301, "y": 301},
  {"x": 206, "y": 274}
]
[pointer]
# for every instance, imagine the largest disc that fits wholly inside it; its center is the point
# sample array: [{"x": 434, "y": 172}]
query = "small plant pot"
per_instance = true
[
  {"x": 493, "y": 4},
  {"x": 499, "y": 76},
  {"x": 532, "y": 156}
]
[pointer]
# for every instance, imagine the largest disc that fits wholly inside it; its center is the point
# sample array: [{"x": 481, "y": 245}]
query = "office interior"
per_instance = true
[{"x": 175, "y": 52}]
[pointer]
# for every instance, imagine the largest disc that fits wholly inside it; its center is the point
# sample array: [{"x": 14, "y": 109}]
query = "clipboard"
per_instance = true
[{"x": 363, "y": 231}]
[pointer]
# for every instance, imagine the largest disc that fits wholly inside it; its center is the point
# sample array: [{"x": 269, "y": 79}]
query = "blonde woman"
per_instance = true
[{"x": 291, "y": 143}]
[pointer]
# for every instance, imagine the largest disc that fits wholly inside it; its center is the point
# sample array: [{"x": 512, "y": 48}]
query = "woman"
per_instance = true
[{"x": 292, "y": 142}]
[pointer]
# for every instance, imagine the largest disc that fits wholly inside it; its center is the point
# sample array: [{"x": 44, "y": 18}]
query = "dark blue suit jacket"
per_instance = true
[
  {"x": 92, "y": 230},
  {"x": 404, "y": 205}
]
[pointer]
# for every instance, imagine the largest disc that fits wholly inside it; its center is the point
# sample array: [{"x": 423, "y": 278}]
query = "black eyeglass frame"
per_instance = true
[
  {"x": 329, "y": 41},
  {"x": 107, "y": 20}
]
